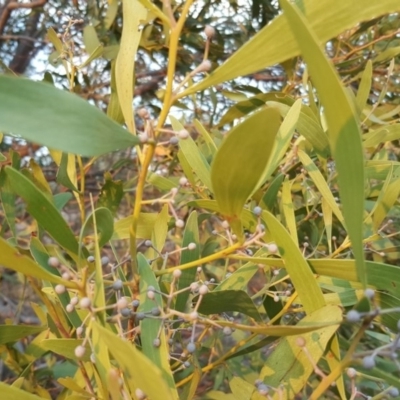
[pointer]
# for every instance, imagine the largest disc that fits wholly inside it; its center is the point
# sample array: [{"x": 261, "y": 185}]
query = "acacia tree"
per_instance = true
[{"x": 253, "y": 232}]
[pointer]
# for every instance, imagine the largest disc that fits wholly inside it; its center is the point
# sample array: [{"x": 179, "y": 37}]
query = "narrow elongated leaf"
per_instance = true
[
  {"x": 241, "y": 161},
  {"x": 39, "y": 206},
  {"x": 365, "y": 86},
  {"x": 133, "y": 13},
  {"x": 58, "y": 119},
  {"x": 295, "y": 264},
  {"x": 64, "y": 347},
  {"x": 344, "y": 129},
  {"x": 320, "y": 183},
  {"x": 221, "y": 301},
  {"x": 191, "y": 235},
  {"x": 139, "y": 371},
  {"x": 12, "y": 333},
  {"x": 11, "y": 258},
  {"x": 264, "y": 49},
  {"x": 150, "y": 328},
  {"x": 144, "y": 228},
  {"x": 194, "y": 156},
  {"x": 11, "y": 393},
  {"x": 296, "y": 368}
]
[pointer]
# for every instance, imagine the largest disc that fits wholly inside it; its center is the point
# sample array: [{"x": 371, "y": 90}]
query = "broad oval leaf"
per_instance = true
[
  {"x": 241, "y": 161},
  {"x": 60, "y": 120}
]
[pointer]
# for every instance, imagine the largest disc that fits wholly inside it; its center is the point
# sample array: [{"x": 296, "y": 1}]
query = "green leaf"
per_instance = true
[
  {"x": 13, "y": 333},
  {"x": 193, "y": 156},
  {"x": 134, "y": 13},
  {"x": 344, "y": 129},
  {"x": 13, "y": 259},
  {"x": 144, "y": 229},
  {"x": 299, "y": 271},
  {"x": 365, "y": 87},
  {"x": 296, "y": 368},
  {"x": 58, "y": 119},
  {"x": 12, "y": 393},
  {"x": 190, "y": 235},
  {"x": 221, "y": 301},
  {"x": 241, "y": 161},
  {"x": 139, "y": 371},
  {"x": 104, "y": 225},
  {"x": 64, "y": 347},
  {"x": 264, "y": 49},
  {"x": 111, "y": 194},
  {"x": 150, "y": 328},
  {"x": 45, "y": 213}
]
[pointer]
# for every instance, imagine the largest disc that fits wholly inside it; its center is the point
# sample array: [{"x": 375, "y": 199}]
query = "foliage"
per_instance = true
[{"x": 242, "y": 248}]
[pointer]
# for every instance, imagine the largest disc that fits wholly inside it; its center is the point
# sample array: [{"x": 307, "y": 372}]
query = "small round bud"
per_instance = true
[
  {"x": 140, "y": 316},
  {"x": 140, "y": 394},
  {"x": 117, "y": 285},
  {"x": 174, "y": 191},
  {"x": 194, "y": 315},
  {"x": 393, "y": 392},
  {"x": 203, "y": 290},
  {"x": 263, "y": 389},
  {"x": 53, "y": 262},
  {"x": 135, "y": 303},
  {"x": 148, "y": 243},
  {"x": 368, "y": 362},
  {"x": 79, "y": 351},
  {"x": 179, "y": 223},
  {"x": 143, "y": 113},
  {"x": 125, "y": 312},
  {"x": 272, "y": 248},
  {"x": 151, "y": 295},
  {"x": 93, "y": 358},
  {"x": 85, "y": 302},
  {"x": 205, "y": 66},
  {"x": 209, "y": 31},
  {"x": 74, "y": 300},
  {"x": 300, "y": 341},
  {"x": 183, "y": 181},
  {"x": 66, "y": 276},
  {"x": 192, "y": 246},
  {"x": 187, "y": 364},
  {"x": 225, "y": 224},
  {"x": 199, "y": 270},
  {"x": 69, "y": 308},
  {"x": 104, "y": 261},
  {"x": 90, "y": 259},
  {"x": 369, "y": 293},
  {"x": 191, "y": 347},
  {"x": 59, "y": 289},
  {"x": 353, "y": 316},
  {"x": 177, "y": 273},
  {"x": 194, "y": 286},
  {"x": 122, "y": 303},
  {"x": 155, "y": 312},
  {"x": 183, "y": 134},
  {"x": 227, "y": 331},
  {"x": 257, "y": 211},
  {"x": 79, "y": 331},
  {"x": 351, "y": 373},
  {"x": 156, "y": 342},
  {"x": 174, "y": 140},
  {"x": 143, "y": 137},
  {"x": 276, "y": 298}
]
